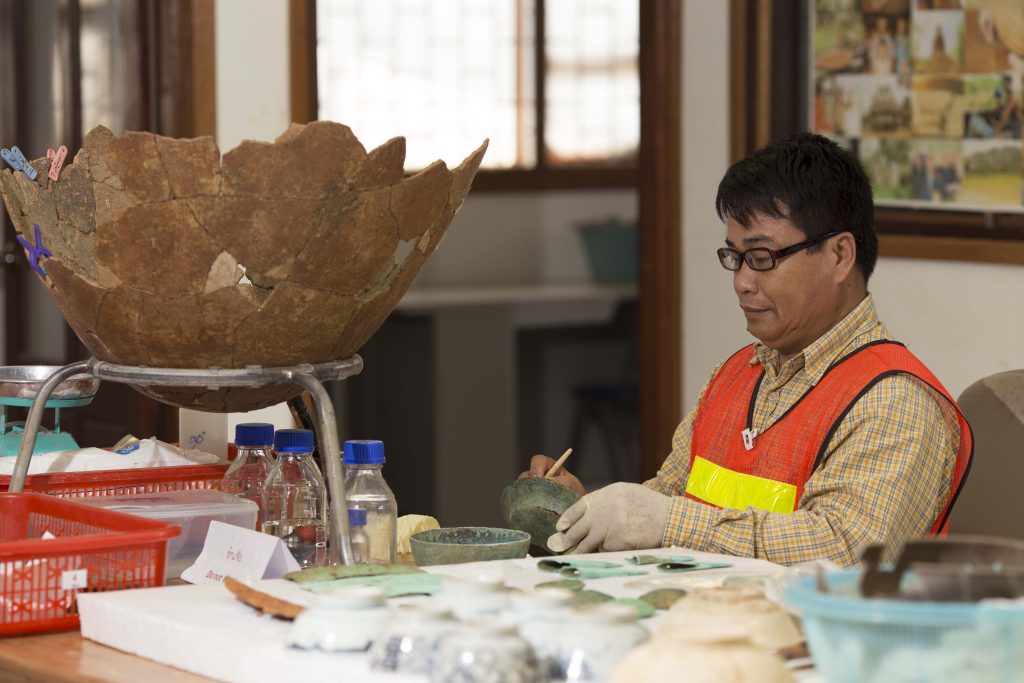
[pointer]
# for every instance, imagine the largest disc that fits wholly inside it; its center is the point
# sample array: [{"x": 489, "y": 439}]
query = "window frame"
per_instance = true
[{"x": 302, "y": 70}]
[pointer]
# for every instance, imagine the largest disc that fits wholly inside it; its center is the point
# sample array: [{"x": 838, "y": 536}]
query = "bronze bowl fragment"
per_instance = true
[{"x": 533, "y": 505}]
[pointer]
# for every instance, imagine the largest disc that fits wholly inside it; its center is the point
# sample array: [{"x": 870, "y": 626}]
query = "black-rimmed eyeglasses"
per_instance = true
[{"x": 763, "y": 258}]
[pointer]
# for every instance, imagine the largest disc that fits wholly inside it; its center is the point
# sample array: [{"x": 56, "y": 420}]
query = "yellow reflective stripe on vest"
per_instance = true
[{"x": 725, "y": 488}]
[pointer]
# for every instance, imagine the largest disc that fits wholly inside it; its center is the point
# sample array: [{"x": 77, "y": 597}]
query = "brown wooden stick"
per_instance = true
[{"x": 558, "y": 464}]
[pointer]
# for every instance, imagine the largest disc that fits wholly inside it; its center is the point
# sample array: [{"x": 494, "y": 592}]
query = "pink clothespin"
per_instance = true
[{"x": 56, "y": 161}]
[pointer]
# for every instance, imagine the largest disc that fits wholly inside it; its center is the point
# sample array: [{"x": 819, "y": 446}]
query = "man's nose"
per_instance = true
[{"x": 744, "y": 280}]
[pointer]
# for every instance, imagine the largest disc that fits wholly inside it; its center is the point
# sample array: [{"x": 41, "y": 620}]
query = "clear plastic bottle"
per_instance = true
[
  {"x": 357, "y": 535},
  {"x": 366, "y": 489},
  {"x": 295, "y": 498},
  {"x": 252, "y": 464}
]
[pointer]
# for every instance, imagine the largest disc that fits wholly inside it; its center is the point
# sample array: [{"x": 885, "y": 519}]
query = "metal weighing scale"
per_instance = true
[
  {"x": 19, "y": 386},
  {"x": 308, "y": 377}
]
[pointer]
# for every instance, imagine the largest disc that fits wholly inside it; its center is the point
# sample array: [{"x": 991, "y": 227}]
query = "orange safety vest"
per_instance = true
[{"x": 732, "y": 468}]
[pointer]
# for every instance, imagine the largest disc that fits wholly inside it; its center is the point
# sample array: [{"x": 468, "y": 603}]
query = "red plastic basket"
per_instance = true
[
  {"x": 94, "y": 550},
  {"x": 123, "y": 482}
]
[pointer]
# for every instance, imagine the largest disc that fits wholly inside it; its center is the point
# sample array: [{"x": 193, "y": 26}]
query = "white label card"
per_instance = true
[
  {"x": 73, "y": 579},
  {"x": 240, "y": 553}
]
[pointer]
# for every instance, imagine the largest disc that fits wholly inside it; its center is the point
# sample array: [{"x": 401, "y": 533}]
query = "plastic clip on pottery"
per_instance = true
[{"x": 52, "y": 548}]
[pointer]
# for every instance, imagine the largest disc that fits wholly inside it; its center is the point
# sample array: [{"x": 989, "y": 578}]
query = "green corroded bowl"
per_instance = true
[
  {"x": 455, "y": 545},
  {"x": 533, "y": 505}
]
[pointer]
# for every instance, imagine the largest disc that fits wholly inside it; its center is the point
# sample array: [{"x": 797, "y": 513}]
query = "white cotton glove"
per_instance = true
[{"x": 620, "y": 516}]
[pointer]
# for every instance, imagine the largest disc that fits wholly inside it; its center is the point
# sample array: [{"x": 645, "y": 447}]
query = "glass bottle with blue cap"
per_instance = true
[
  {"x": 295, "y": 498},
  {"x": 365, "y": 489},
  {"x": 252, "y": 464}
]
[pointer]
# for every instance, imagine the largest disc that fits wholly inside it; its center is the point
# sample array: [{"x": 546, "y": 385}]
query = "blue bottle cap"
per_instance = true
[
  {"x": 364, "y": 452},
  {"x": 356, "y": 517},
  {"x": 254, "y": 434},
  {"x": 293, "y": 441}
]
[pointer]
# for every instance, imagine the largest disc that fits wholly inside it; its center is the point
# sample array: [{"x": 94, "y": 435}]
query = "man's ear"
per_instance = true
[{"x": 843, "y": 250}]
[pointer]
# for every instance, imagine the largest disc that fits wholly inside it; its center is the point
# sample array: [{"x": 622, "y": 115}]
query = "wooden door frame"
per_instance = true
[
  {"x": 659, "y": 189},
  {"x": 660, "y": 288}
]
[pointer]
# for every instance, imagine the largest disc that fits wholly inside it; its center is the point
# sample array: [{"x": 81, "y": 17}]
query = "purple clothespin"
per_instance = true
[
  {"x": 56, "y": 161},
  {"x": 36, "y": 252},
  {"x": 18, "y": 162}
]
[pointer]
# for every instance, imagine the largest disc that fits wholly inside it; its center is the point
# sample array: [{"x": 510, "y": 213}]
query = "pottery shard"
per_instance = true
[
  {"x": 93, "y": 156},
  {"x": 135, "y": 160},
  {"x": 75, "y": 200},
  {"x": 197, "y": 331},
  {"x": 117, "y": 323},
  {"x": 158, "y": 247},
  {"x": 293, "y": 307},
  {"x": 328, "y": 171},
  {"x": 250, "y": 228},
  {"x": 462, "y": 179},
  {"x": 384, "y": 166},
  {"x": 309, "y": 163},
  {"x": 79, "y": 299},
  {"x": 9, "y": 194},
  {"x": 419, "y": 201},
  {"x": 111, "y": 202},
  {"x": 192, "y": 166},
  {"x": 227, "y": 400},
  {"x": 73, "y": 248},
  {"x": 377, "y": 306},
  {"x": 31, "y": 200},
  {"x": 355, "y": 241}
]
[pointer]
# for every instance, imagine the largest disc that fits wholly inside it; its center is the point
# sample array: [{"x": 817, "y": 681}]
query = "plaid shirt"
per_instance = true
[{"x": 885, "y": 476}]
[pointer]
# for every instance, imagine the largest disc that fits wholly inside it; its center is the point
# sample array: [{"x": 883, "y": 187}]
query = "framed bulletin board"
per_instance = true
[{"x": 928, "y": 93}]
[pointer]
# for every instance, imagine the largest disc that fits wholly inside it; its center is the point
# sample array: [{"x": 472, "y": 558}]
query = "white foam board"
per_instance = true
[{"x": 206, "y": 630}]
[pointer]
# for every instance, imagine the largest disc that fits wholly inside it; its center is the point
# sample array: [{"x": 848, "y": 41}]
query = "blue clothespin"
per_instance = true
[
  {"x": 36, "y": 252},
  {"x": 18, "y": 162}
]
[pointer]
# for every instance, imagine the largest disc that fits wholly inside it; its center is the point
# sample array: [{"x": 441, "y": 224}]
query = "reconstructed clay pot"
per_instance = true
[{"x": 165, "y": 254}]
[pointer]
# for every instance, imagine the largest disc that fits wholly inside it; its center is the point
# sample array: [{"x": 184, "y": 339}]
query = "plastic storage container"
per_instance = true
[
  {"x": 92, "y": 549},
  {"x": 191, "y": 510},
  {"x": 872, "y": 640},
  {"x": 365, "y": 489}
]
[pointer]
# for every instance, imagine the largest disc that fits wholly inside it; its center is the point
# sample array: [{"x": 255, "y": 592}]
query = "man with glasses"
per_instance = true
[{"x": 824, "y": 436}]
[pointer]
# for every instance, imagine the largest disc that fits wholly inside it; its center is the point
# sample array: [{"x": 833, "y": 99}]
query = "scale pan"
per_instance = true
[{"x": 19, "y": 385}]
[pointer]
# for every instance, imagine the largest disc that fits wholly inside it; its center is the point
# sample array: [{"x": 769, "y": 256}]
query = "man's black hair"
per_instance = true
[{"x": 812, "y": 182}]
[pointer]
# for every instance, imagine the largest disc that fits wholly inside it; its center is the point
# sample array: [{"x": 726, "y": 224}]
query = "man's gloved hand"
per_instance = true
[{"x": 620, "y": 516}]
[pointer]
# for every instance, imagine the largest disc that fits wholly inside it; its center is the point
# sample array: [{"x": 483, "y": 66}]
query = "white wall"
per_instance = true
[
  {"x": 521, "y": 238},
  {"x": 964, "y": 320},
  {"x": 252, "y": 70},
  {"x": 712, "y": 322}
]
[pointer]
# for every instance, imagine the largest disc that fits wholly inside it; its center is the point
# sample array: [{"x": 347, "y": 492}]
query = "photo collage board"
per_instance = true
[{"x": 928, "y": 94}]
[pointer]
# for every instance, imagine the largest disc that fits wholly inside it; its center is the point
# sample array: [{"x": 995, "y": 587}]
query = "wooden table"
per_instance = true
[{"x": 67, "y": 657}]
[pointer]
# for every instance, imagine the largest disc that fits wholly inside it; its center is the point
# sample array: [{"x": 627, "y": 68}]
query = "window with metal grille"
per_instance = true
[{"x": 554, "y": 84}]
